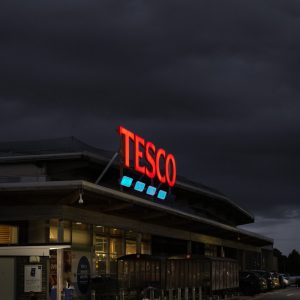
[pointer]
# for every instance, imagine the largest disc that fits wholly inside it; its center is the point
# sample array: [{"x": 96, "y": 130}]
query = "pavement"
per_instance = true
[{"x": 290, "y": 293}]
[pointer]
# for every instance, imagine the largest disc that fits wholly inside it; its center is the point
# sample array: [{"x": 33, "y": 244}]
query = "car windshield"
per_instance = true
[{"x": 260, "y": 273}]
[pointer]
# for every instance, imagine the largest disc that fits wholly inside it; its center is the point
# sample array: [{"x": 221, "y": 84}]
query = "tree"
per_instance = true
[
  {"x": 282, "y": 261},
  {"x": 293, "y": 263}
]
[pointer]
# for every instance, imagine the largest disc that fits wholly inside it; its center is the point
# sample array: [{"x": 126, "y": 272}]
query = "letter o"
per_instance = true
[
  {"x": 170, "y": 163},
  {"x": 159, "y": 153}
]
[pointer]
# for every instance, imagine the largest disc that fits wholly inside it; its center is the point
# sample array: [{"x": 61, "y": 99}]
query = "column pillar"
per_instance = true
[{"x": 60, "y": 259}]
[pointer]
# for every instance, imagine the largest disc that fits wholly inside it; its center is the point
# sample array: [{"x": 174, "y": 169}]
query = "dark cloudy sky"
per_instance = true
[{"x": 214, "y": 82}]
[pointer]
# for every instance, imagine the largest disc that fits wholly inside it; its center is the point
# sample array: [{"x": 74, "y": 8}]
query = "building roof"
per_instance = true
[
  {"x": 71, "y": 147},
  {"x": 49, "y": 146}
]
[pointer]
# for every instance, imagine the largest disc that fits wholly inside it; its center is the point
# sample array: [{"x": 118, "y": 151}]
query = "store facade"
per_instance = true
[{"x": 68, "y": 211}]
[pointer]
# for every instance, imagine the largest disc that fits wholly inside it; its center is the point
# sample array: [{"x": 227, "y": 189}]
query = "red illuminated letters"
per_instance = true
[
  {"x": 147, "y": 159},
  {"x": 127, "y": 135}
]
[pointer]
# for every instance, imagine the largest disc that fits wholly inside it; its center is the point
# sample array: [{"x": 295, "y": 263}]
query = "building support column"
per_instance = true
[
  {"x": 189, "y": 248},
  {"x": 60, "y": 260},
  {"x": 139, "y": 243}
]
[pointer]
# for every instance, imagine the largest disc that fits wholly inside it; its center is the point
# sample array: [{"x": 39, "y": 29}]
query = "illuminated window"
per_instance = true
[
  {"x": 53, "y": 231},
  {"x": 8, "y": 234},
  {"x": 130, "y": 247},
  {"x": 146, "y": 244},
  {"x": 80, "y": 235},
  {"x": 108, "y": 247},
  {"x": 146, "y": 247},
  {"x": 130, "y": 237}
]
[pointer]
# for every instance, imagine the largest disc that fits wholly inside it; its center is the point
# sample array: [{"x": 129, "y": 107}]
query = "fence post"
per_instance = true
[
  {"x": 186, "y": 293},
  {"x": 151, "y": 294},
  {"x": 122, "y": 294},
  {"x": 179, "y": 294},
  {"x": 200, "y": 293},
  {"x": 93, "y": 294},
  {"x": 170, "y": 294},
  {"x": 162, "y": 295}
]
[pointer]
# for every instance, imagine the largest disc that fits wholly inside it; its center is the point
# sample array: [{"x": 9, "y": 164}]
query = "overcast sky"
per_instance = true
[{"x": 214, "y": 82}]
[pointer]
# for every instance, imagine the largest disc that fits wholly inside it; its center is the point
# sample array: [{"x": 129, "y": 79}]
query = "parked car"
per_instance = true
[
  {"x": 276, "y": 281},
  {"x": 293, "y": 279},
  {"x": 251, "y": 283},
  {"x": 284, "y": 280},
  {"x": 268, "y": 276}
]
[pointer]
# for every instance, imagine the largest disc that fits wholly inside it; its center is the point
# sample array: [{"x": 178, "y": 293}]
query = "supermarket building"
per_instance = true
[{"x": 66, "y": 217}]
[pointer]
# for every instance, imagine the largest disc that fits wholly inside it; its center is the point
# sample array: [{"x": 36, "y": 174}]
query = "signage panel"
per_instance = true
[
  {"x": 33, "y": 278},
  {"x": 83, "y": 275},
  {"x": 147, "y": 158}
]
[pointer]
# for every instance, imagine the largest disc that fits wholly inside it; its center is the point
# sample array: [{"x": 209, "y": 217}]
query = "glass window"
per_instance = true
[
  {"x": 8, "y": 234},
  {"x": 116, "y": 232},
  {"x": 101, "y": 244},
  {"x": 130, "y": 247},
  {"x": 211, "y": 250},
  {"x": 116, "y": 247},
  {"x": 100, "y": 229},
  {"x": 53, "y": 231},
  {"x": 146, "y": 247},
  {"x": 80, "y": 234}
]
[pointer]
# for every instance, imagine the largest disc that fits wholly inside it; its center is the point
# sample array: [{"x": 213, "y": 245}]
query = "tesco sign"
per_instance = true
[{"x": 147, "y": 159}]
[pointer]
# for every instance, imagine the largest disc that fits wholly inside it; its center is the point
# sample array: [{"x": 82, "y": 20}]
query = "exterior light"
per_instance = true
[
  {"x": 126, "y": 181},
  {"x": 151, "y": 190},
  {"x": 162, "y": 195},
  {"x": 80, "y": 201},
  {"x": 139, "y": 186}
]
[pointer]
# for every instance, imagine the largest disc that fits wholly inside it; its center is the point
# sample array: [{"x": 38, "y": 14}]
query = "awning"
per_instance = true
[
  {"x": 41, "y": 250},
  {"x": 117, "y": 203}
]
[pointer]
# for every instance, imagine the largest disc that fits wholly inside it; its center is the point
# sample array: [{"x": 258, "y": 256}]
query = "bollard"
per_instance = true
[
  {"x": 186, "y": 293},
  {"x": 193, "y": 293},
  {"x": 152, "y": 294},
  {"x": 93, "y": 294},
  {"x": 122, "y": 294},
  {"x": 170, "y": 294},
  {"x": 162, "y": 295},
  {"x": 179, "y": 294},
  {"x": 200, "y": 293}
]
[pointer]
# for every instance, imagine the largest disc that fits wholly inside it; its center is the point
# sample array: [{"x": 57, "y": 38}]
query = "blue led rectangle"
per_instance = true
[
  {"x": 126, "y": 181},
  {"x": 151, "y": 190},
  {"x": 139, "y": 186},
  {"x": 162, "y": 195}
]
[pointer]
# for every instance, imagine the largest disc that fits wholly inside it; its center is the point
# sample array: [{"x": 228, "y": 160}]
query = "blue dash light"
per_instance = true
[
  {"x": 151, "y": 190},
  {"x": 162, "y": 195},
  {"x": 139, "y": 186},
  {"x": 126, "y": 181}
]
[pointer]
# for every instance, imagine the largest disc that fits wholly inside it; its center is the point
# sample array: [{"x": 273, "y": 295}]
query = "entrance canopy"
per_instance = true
[
  {"x": 34, "y": 250},
  {"x": 117, "y": 203}
]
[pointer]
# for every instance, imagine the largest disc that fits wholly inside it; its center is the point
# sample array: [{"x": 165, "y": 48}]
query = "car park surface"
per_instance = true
[{"x": 290, "y": 293}]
